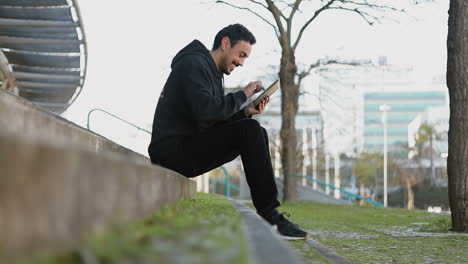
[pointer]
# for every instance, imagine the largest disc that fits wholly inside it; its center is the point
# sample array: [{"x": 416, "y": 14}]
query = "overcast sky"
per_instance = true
[{"x": 130, "y": 46}]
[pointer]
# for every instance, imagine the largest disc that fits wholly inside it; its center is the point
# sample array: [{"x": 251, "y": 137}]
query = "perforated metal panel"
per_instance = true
[{"x": 43, "y": 50}]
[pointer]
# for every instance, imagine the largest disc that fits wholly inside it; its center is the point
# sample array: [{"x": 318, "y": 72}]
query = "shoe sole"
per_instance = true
[
  {"x": 294, "y": 238},
  {"x": 275, "y": 228}
]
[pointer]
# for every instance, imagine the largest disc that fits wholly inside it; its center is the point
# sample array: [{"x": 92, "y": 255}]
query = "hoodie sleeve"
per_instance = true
[
  {"x": 238, "y": 116},
  {"x": 201, "y": 96}
]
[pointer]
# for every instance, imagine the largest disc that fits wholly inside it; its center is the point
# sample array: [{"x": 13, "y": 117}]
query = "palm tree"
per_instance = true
[{"x": 427, "y": 134}]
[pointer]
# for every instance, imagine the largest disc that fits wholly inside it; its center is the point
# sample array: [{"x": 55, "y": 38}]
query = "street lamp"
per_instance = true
[{"x": 384, "y": 108}]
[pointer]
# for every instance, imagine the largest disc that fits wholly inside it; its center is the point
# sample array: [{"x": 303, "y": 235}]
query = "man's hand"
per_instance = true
[
  {"x": 252, "y": 87},
  {"x": 252, "y": 110}
]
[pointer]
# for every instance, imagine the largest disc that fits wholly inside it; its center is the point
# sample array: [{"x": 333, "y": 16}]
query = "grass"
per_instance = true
[
  {"x": 308, "y": 254},
  {"x": 377, "y": 235},
  {"x": 205, "y": 229}
]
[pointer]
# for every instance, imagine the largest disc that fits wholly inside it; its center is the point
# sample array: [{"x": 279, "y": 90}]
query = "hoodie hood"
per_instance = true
[{"x": 197, "y": 48}]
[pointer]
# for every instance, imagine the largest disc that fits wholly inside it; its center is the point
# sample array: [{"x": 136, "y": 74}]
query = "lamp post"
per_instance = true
[
  {"x": 305, "y": 153},
  {"x": 337, "y": 175},
  {"x": 327, "y": 173},
  {"x": 314, "y": 157},
  {"x": 384, "y": 108}
]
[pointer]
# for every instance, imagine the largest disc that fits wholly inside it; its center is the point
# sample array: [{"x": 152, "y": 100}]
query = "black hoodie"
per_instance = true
[{"x": 193, "y": 98}]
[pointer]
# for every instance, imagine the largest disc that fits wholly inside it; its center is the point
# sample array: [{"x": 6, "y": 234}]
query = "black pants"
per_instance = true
[{"x": 195, "y": 155}]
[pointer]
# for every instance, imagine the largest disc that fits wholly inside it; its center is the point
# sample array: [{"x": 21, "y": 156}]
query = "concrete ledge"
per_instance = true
[
  {"x": 265, "y": 246},
  {"x": 52, "y": 195},
  {"x": 25, "y": 118},
  {"x": 331, "y": 255}
]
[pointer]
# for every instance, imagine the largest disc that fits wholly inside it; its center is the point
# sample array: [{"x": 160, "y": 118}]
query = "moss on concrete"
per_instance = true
[
  {"x": 205, "y": 229},
  {"x": 307, "y": 254}
]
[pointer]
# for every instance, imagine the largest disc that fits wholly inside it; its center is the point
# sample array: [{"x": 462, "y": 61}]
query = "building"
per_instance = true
[{"x": 404, "y": 107}]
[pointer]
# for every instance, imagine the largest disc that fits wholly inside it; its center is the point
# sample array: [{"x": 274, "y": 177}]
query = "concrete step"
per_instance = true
[
  {"x": 60, "y": 182},
  {"x": 52, "y": 195}
]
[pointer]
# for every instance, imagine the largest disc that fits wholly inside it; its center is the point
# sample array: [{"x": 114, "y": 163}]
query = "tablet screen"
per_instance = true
[{"x": 268, "y": 92}]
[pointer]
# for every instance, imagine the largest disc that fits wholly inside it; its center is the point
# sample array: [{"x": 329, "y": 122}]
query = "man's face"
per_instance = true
[{"x": 234, "y": 56}]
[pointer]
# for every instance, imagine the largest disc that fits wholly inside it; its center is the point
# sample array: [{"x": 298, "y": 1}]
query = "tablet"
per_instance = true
[{"x": 268, "y": 92}]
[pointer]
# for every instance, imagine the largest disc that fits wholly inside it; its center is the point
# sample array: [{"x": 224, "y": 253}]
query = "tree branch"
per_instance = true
[
  {"x": 251, "y": 11},
  {"x": 281, "y": 11},
  {"x": 277, "y": 16},
  {"x": 373, "y": 6},
  {"x": 321, "y": 62},
  {"x": 286, "y": 3},
  {"x": 258, "y": 3},
  {"x": 301, "y": 32},
  {"x": 363, "y": 14},
  {"x": 295, "y": 8}
]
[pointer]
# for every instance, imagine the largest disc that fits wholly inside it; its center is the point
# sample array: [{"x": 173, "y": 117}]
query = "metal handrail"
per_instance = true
[
  {"x": 343, "y": 190},
  {"x": 231, "y": 186},
  {"x": 227, "y": 183},
  {"x": 114, "y": 116},
  {"x": 227, "y": 180}
]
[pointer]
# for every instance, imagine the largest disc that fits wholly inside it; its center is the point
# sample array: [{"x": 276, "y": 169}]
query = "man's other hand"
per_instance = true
[
  {"x": 252, "y": 110},
  {"x": 252, "y": 87}
]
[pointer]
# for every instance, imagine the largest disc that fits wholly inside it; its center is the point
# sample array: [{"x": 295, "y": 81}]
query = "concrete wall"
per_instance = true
[
  {"x": 59, "y": 182},
  {"x": 20, "y": 116}
]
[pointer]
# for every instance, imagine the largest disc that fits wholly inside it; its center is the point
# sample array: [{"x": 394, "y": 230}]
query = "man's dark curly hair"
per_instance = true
[{"x": 235, "y": 33}]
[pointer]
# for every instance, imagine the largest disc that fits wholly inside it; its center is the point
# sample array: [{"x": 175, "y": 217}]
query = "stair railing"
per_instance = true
[
  {"x": 227, "y": 183},
  {"x": 227, "y": 179},
  {"x": 114, "y": 116},
  {"x": 349, "y": 194}
]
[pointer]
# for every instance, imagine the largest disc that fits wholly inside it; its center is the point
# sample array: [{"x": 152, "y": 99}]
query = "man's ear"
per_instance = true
[{"x": 225, "y": 43}]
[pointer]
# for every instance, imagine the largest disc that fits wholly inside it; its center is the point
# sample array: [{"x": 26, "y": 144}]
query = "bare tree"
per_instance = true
[
  {"x": 410, "y": 172},
  {"x": 427, "y": 134},
  {"x": 457, "y": 82},
  {"x": 280, "y": 15}
]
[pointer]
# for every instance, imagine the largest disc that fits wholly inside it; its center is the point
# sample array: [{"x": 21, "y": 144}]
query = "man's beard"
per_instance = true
[
  {"x": 225, "y": 68},
  {"x": 225, "y": 71}
]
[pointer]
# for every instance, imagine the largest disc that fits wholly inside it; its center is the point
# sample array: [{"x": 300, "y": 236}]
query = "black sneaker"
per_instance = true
[{"x": 286, "y": 228}]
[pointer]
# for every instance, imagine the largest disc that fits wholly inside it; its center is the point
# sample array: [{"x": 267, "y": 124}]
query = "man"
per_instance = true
[{"x": 197, "y": 128}]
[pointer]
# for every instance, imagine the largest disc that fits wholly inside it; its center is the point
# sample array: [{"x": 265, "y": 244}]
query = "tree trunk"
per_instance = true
[
  {"x": 289, "y": 106},
  {"x": 431, "y": 152},
  {"x": 457, "y": 83},
  {"x": 361, "y": 192},
  {"x": 409, "y": 195}
]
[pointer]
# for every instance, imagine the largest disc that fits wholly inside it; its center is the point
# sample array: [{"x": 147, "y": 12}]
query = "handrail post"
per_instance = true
[
  {"x": 227, "y": 181},
  {"x": 89, "y": 117},
  {"x": 214, "y": 185}
]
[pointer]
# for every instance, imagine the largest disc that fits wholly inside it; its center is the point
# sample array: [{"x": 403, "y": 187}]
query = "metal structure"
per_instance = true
[
  {"x": 114, "y": 116},
  {"x": 348, "y": 195},
  {"x": 227, "y": 183},
  {"x": 43, "y": 51}
]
